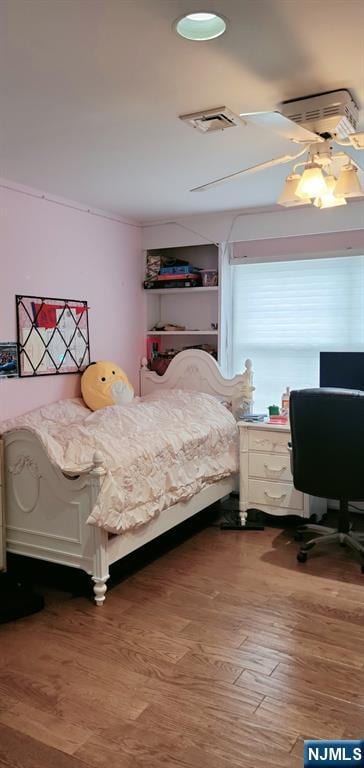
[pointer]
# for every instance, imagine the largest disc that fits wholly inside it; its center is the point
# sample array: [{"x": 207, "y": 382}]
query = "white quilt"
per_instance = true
[{"x": 158, "y": 450}]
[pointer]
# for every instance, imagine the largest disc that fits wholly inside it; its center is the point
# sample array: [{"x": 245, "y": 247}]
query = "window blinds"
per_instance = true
[{"x": 284, "y": 313}]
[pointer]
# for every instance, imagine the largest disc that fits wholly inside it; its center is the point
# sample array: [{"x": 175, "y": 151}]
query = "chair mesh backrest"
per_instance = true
[{"x": 327, "y": 428}]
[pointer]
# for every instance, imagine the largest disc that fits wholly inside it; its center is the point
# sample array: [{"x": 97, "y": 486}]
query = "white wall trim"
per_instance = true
[
  {"x": 320, "y": 246},
  {"x": 244, "y": 226},
  {"x": 20, "y": 189}
]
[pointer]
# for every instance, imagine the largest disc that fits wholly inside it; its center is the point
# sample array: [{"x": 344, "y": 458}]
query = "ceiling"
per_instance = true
[{"x": 91, "y": 90}]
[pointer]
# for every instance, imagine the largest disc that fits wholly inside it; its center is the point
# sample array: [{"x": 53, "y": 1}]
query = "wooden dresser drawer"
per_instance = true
[
  {"x": 268, "y": 441},
  {"x": 274, "y": 494},
  {"x": 270, "y": 466}
]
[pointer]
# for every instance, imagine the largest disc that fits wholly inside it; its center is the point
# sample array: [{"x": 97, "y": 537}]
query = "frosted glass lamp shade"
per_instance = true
[
  {"x": 329, "y": 200},
  {"x": 288, "y": 196},
  {"x": 312, "y": 182},
  {"x": 348, "y": 184}
]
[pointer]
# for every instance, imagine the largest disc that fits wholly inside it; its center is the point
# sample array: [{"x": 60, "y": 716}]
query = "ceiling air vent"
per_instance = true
[{"x": 212, "y": 119}]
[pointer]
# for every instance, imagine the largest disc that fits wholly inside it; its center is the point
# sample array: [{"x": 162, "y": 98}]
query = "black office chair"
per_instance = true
[{"x": 327, "y": 428}]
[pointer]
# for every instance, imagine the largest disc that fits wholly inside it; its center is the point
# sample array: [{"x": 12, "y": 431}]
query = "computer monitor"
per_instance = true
[{"x": 344, "y": 370}]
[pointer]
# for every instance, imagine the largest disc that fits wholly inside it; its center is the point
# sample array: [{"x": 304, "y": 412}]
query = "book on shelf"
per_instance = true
[
  {"x": 168, "y": 327},
  {"x": 253, "y": 417},
  {"x": 184, "y": 276},
  {"x": 173, "y": 281},
  {"x": 185, "y": 270}
]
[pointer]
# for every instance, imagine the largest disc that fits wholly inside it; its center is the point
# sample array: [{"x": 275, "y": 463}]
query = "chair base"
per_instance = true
[
  {"x": 16, "y": 599},
  {"x": 327, "y": 535}
]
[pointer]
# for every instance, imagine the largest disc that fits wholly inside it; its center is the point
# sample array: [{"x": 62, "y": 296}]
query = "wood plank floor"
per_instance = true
[{"x": 223, "y": 652}]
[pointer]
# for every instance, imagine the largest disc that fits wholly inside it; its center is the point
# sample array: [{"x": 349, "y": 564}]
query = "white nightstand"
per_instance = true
[{"x": 265, "y": 474}]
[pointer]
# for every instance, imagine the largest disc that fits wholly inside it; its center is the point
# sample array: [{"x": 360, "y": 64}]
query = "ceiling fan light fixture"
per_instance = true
[
  {"x": 200, "y": 26},
  {"x": 329, "y": 200},
  {"x": 312, "y": 183},
  {"x": 348, "y": 184},
  {"x": 288, "y": 197}
]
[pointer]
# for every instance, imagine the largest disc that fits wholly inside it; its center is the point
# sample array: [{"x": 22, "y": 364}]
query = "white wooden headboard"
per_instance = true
[{"x": 195, "y": 370}]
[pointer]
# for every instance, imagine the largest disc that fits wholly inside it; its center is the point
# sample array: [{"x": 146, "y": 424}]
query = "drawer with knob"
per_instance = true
[
  {"x": 269, "y": 442},
  {"x": 270, "y": 466},
  {"x": 275, "y": 494}
]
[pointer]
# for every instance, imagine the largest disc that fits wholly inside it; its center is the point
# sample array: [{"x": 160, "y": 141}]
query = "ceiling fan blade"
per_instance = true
[
  {"x": 357, "y": 140},
  {"x": 283, "y": 126},
  {"x": 352, "y": 155},
  {"x": 253, "y": 169}
]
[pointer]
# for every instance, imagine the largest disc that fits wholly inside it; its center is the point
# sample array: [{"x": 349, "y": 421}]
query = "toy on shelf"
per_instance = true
[
  {"x": 209, "y": 277},
  {"x": 168, "y": 327}
]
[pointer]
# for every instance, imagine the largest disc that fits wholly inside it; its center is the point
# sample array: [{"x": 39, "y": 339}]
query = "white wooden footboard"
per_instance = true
[{"x": 46, "y": 511}]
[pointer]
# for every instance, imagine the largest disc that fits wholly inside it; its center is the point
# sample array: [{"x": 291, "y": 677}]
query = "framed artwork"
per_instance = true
[
  {"x": 9, "y": 360},
  {"x": 53, "y": 335}
]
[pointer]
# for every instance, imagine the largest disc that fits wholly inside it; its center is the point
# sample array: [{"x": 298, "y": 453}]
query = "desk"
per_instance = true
[{"x": 265, "y": 474}]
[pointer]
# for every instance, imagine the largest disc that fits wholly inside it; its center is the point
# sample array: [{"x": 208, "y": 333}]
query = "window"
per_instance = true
[{"x": 284, "y": 314}]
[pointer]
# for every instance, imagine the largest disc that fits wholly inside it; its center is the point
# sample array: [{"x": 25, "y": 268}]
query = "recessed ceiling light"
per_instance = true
[{"x": 200, "y": 26}]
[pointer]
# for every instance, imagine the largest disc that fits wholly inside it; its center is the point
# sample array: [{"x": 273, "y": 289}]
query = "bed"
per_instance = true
[{"x": 47, "y": 509}]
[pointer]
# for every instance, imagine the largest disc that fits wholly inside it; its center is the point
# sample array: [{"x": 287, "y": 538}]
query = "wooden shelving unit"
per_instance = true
[{"x": 190, "y": 307}]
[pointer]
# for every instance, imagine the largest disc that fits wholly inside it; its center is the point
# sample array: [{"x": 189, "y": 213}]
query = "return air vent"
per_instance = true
[{"x": 212, "y": 119}]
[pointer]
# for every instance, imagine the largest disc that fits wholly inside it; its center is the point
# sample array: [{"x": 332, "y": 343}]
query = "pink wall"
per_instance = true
[{"x": 48, "y": 249}]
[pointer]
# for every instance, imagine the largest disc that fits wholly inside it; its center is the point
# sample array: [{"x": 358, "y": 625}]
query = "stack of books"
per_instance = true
[
  {"x": 252, "y": 417},
  {"x": 175, "y": 277},
  {"x": 278, "y": 419}
]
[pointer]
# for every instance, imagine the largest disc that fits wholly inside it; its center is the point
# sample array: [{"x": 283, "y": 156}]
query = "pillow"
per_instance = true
[{"x": 104, "y": 384}]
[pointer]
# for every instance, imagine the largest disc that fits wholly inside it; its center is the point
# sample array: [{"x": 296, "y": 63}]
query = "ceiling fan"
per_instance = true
[{"x": 323, "y": 128}]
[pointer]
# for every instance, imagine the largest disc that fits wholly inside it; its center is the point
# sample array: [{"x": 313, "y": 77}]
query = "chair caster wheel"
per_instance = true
[
  {"x": 302, "y": 557},
  {"x": 298, "y": 536}
]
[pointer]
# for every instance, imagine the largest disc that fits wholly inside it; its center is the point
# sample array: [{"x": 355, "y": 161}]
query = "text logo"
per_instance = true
[{"x": 334, "y": 754}]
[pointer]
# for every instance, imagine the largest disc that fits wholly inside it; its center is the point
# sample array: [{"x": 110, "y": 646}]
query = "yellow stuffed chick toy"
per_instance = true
[{"x": 104, "y": 384}]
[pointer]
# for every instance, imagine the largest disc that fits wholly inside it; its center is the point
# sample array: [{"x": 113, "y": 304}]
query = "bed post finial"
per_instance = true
[
  {"x": 247, "y": 377},
  {"x": 144, "y": 362},
  {"x": 98, "y": 463},
  {"x": 246, "y": 404}
]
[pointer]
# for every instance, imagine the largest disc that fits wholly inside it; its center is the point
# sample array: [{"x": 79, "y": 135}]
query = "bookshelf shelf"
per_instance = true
[
  {"x": 180, "y": 291},
  {"x": 182, "y": 333}
]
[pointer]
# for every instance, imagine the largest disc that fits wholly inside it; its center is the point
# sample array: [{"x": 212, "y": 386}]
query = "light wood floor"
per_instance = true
[{"x": 223, "y": 652}]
